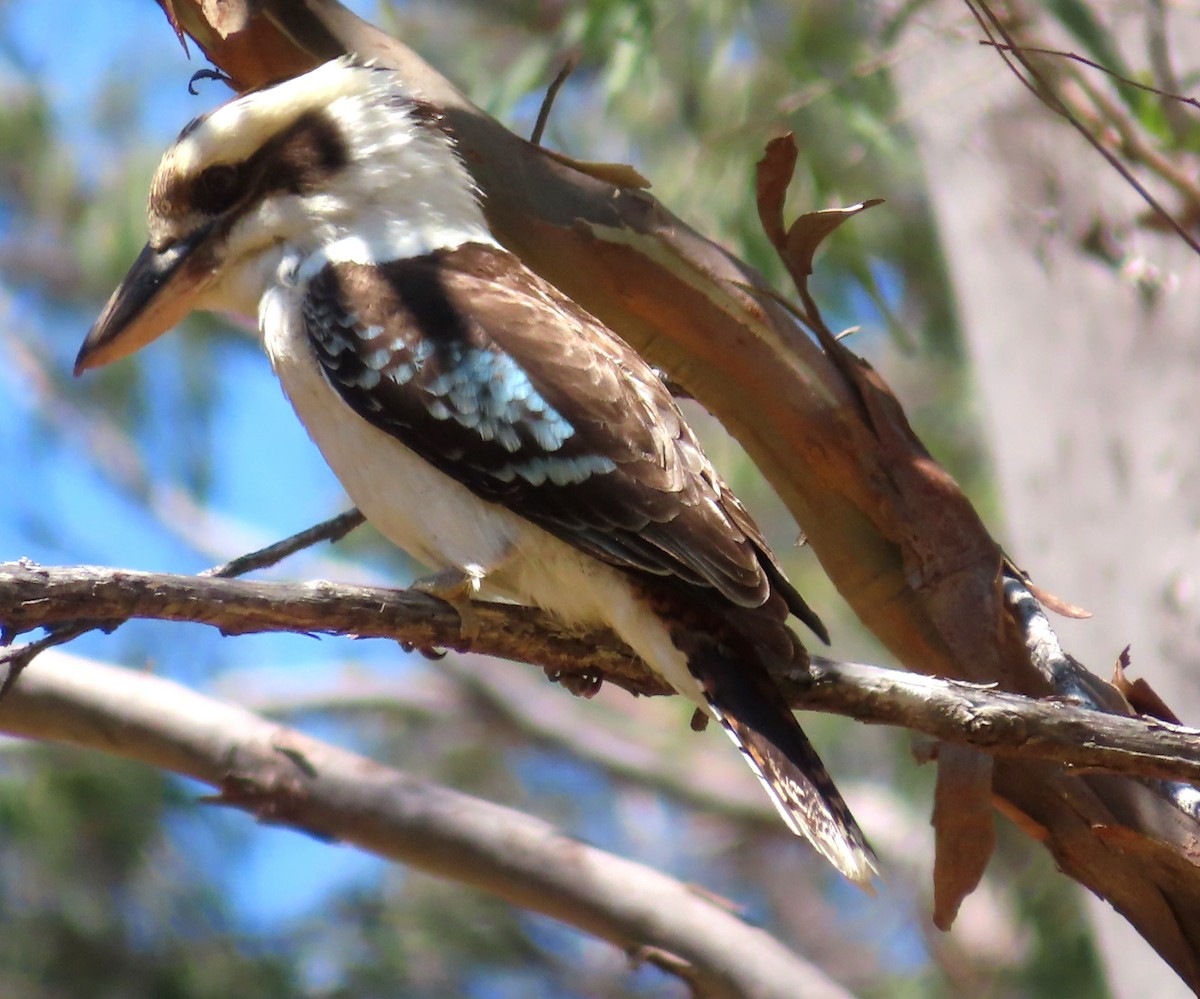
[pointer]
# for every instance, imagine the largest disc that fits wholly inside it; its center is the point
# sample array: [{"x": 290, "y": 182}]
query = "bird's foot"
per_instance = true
[
  {"x": 586, "y": 685},
  {"x": 457, "y": 586}
]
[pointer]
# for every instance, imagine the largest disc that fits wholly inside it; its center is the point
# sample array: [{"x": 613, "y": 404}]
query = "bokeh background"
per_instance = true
[{"x": 115, "y": 882}]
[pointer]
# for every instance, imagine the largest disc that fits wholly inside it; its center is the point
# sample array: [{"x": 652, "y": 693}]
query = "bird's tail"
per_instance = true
[{"x": 758, "y": 720}]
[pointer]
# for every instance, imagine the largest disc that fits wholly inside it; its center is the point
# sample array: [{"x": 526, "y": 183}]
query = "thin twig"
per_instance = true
[
  {"x": 539, "y": 127},
  {"x": 1075, "y": 57},
  {"x": 331, "y": 530},
  {"x": 1134, "y": 145},
  {"x": 1046, "y": 95},
  {"x": 14, "y": 661}
]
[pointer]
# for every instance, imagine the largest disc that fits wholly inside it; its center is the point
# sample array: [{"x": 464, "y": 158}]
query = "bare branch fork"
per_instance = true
[
  {"x": 955, "y": 712},
  {"x": 333, "y": 529}
]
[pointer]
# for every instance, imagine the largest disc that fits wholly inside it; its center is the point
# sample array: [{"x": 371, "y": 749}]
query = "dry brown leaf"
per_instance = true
[
  {"x": 810, "y": 230},
  {"x": 964, "y": 828},
  {"x": 772, "y": 175},
  {"x": 1053, "y": 603},
  {"x": 1047, "y": 599},
  {"x": 227, "y": 17},
  {"x": 798, "y": 243},
  {"x": 620, "y": 174},
  {"x": 1139, "y": 693}
]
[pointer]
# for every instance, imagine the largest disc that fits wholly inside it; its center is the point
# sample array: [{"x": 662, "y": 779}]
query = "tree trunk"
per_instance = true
[{"x": 1088, "y": 381}]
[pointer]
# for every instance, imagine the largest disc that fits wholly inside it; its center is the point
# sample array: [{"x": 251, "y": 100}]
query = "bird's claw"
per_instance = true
[
  {"x": 457, "y": 586},
  {"x": 430, "y": 652},
  {"x": 586, "y": 685}
]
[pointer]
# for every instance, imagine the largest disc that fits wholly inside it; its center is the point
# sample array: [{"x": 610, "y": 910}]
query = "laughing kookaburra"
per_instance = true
[{"x": 479, "y": 418}]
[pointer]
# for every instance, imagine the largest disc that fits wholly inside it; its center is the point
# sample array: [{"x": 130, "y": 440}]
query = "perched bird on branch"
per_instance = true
[{"x": 479, "y": 418}]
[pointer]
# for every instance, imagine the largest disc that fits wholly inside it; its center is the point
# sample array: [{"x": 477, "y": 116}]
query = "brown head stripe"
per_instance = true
[{"x": 298, "y": 160}]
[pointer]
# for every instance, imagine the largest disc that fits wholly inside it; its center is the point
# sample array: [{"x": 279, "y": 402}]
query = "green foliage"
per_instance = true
[{"x": 94, "y": 903}]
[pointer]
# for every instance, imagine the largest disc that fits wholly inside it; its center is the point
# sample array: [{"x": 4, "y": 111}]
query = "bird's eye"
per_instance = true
[{"x": 217, "y": 188}]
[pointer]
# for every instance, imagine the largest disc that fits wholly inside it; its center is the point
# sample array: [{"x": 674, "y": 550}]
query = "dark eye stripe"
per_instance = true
[{"x": 299, "y": 160}]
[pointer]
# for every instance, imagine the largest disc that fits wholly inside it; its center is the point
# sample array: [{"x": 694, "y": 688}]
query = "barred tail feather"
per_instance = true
[
  {"x": 807, "y": 799},
  {"x": 773, "y": 744}
]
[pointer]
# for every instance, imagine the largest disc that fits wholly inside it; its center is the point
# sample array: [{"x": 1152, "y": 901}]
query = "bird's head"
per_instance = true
[{"x": 342, "y": 156}]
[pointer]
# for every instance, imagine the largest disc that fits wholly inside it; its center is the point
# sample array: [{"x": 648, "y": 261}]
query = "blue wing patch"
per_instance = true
[
  {"x": 448, "y": 378},
  {"x": 490, "y": 393}
]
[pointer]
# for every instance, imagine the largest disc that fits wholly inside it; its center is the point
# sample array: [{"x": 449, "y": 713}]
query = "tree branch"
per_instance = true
[
  {"x": 1000, "y": 723},
  {"x": 968, "y": 714},
  {"x": 33, "y": 596},
  {"x": 287, "y": 778},
  {"x": 333, "y": 529},
  {"x": 1041, "y": 88}
]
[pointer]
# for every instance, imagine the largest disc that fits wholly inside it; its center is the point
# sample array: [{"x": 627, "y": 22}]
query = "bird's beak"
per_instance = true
[{"x": 159, "y": 291}]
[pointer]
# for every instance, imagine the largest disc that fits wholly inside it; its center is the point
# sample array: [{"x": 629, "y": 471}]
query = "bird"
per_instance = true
[{"x": 480, "y": 419}]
